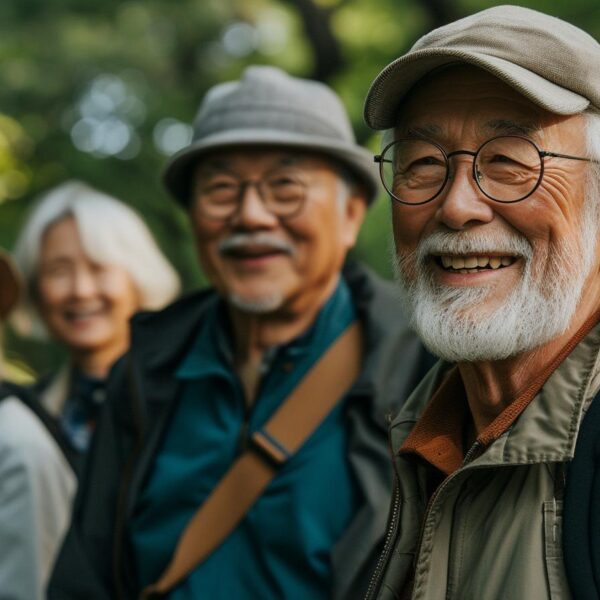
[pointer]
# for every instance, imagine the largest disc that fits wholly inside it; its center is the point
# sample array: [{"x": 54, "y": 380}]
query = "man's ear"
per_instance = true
[{"x": 355, "y": 210}]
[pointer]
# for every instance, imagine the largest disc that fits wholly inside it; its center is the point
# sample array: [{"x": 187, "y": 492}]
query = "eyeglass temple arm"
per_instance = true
[
  {"x": 558, "y": 155},
  {"x": 378, "y": 158}
]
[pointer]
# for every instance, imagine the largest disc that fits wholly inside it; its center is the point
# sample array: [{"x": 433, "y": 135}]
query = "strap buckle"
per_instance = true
[{"x": 269, "y": 448}]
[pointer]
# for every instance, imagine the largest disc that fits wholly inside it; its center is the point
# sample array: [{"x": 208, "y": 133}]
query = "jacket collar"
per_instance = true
[
  {"x": 160, "y": 340},
  {"x": 547, "y": 429}
]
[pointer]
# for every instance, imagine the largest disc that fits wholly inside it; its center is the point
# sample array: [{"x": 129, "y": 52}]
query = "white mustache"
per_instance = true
[
  {"x": 239, "y": 240},
  {"x": 467, "y": 242}
]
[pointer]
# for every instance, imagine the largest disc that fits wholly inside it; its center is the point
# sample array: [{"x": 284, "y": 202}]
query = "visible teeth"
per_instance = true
[
  {"x": 482, "y": 261},
  {"x": 472, "y": 263}
]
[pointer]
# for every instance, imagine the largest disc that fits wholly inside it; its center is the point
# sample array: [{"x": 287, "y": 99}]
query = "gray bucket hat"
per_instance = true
[
  {"x": 269, "y": 107},
  {"x": 553, "y": 63}
]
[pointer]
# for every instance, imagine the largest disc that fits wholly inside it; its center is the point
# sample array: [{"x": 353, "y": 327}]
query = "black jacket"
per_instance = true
[
  {"x": 95, "y": 562},
  {"x": 581, "y": 531}
]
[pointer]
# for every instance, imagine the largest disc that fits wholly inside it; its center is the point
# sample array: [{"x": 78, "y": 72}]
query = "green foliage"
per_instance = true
[{"x": 99, "y": 90}]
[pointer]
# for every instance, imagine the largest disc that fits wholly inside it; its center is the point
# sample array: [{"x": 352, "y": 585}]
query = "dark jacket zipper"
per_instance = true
[{"x": 119, "y": 532}]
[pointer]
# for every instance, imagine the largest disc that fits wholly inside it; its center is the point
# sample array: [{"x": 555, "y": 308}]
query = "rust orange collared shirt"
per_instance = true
[{"x": 438, "y": 435}]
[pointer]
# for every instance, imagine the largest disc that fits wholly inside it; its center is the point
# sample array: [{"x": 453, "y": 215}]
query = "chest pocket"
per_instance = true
[{"x": 553, "y": 552}]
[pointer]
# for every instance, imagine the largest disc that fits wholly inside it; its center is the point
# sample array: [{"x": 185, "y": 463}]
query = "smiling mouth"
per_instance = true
[
  {"x": 452, "y": 263},
  {"x": 77, "y": 315},
  {"x": 253, "y": 252}
]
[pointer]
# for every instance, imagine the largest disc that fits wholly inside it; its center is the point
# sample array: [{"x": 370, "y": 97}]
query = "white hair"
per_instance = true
[
  {"x": 592, "y": 133},
  {"x": 111, "y": 233}
]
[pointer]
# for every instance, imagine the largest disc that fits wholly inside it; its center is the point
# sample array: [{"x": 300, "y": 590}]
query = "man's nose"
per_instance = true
[
  {"x": 463, "y": 204},
  {"x": 252, "y": 212}
]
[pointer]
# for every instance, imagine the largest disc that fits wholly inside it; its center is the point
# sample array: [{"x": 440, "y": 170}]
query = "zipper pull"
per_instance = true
[{"x": 472, "y": 453}]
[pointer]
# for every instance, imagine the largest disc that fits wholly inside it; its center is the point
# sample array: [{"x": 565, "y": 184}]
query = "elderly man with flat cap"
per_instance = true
[
  {"x": 243, "y": 451},
  {"x": 491, "y": 161}
]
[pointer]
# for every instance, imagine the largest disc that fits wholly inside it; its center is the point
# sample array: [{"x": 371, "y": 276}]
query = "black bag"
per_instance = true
[{"x": 581, "y": 517}]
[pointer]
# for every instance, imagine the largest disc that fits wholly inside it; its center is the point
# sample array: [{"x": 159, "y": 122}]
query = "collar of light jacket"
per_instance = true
[{"x": 547, "y": 428}]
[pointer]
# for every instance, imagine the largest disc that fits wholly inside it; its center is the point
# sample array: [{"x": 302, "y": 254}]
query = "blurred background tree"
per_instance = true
[{"x": 105, "y": 91}]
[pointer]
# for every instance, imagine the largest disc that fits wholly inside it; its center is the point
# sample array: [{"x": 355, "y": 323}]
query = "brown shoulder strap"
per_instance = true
[{"x": 291, "y": 425}]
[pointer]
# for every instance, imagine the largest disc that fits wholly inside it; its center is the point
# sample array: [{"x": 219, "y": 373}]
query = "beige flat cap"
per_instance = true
[{"x": 553, "y": 63}]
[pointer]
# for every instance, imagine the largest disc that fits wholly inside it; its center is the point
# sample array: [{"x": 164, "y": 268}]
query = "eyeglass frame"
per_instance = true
[
  {"x": 378, "y": 158},
  {"x": 244, "y": 184}
]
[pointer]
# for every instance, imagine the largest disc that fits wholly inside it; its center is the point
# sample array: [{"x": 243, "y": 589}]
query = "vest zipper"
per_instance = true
[{"x": 390, "y": 537}]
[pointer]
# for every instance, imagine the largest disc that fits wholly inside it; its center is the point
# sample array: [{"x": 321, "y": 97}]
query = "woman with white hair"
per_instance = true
[{"x": 89, "y": 262}]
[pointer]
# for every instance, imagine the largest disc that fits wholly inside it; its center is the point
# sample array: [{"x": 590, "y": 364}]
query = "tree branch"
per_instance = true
[{"x": 327, "y": 51}]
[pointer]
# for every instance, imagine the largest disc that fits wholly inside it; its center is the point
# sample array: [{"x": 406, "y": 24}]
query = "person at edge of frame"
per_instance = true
[
  {"x": 490, "y": 157},
  {"x": 276, "y": 189},
  {"x": 36, "y": 482}
]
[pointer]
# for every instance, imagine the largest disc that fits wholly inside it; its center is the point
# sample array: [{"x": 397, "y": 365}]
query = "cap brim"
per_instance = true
[
  {"x": 177, "y": 173},
  {"x": 10, "y": 285},
  {"x": 391, "y": 86}
]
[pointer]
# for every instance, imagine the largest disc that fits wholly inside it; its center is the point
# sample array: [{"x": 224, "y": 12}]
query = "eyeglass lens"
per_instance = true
[
  {"x": 507, "y": 169},
  {"x": 282, "y": 194}
]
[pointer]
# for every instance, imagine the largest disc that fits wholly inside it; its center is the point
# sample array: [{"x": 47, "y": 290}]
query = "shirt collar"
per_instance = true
[
  {"x": 438, "y": 435},
  {"x": 212, "y": 352}
]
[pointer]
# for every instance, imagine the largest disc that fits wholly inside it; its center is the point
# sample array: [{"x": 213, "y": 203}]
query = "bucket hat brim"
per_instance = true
[
  {"x": 178, "y": 172},
  {"x": 397, "y": 79}
]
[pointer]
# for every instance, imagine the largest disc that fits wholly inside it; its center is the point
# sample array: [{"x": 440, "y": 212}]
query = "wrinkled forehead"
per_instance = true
[
  {"x": 463, "y": 96},
  {"x": 258, "y": 159}
]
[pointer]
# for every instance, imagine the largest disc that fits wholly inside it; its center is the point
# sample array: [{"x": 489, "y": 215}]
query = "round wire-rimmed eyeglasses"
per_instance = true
[{"x": 506, "y": 168}]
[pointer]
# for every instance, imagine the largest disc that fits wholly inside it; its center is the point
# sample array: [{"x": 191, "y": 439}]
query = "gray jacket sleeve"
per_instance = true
[{"x": 36, "y": 490}]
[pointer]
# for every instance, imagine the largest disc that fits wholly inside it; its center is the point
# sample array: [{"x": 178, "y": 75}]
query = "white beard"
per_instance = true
[
  {"x": 256, "y": 306},
  {"x": 266, "y": 303},
  {"x": 455, "y": 324}
]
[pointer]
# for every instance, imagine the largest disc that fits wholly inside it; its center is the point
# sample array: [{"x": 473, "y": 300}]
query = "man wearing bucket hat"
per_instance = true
[
  {"x": 36, "y": 482},
  {"x": 243, "y": 450},
  {"x": 491, "y": 160}
]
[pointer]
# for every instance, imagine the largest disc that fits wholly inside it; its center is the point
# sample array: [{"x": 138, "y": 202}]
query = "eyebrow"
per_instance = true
[
  {"x": 422, "y": 131},
  {"x": 214, "y": 165},
  {"x": 494, "y": 127},
  {"x": 60, "y": 259},
  {"x": 508, "y": 127}
]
